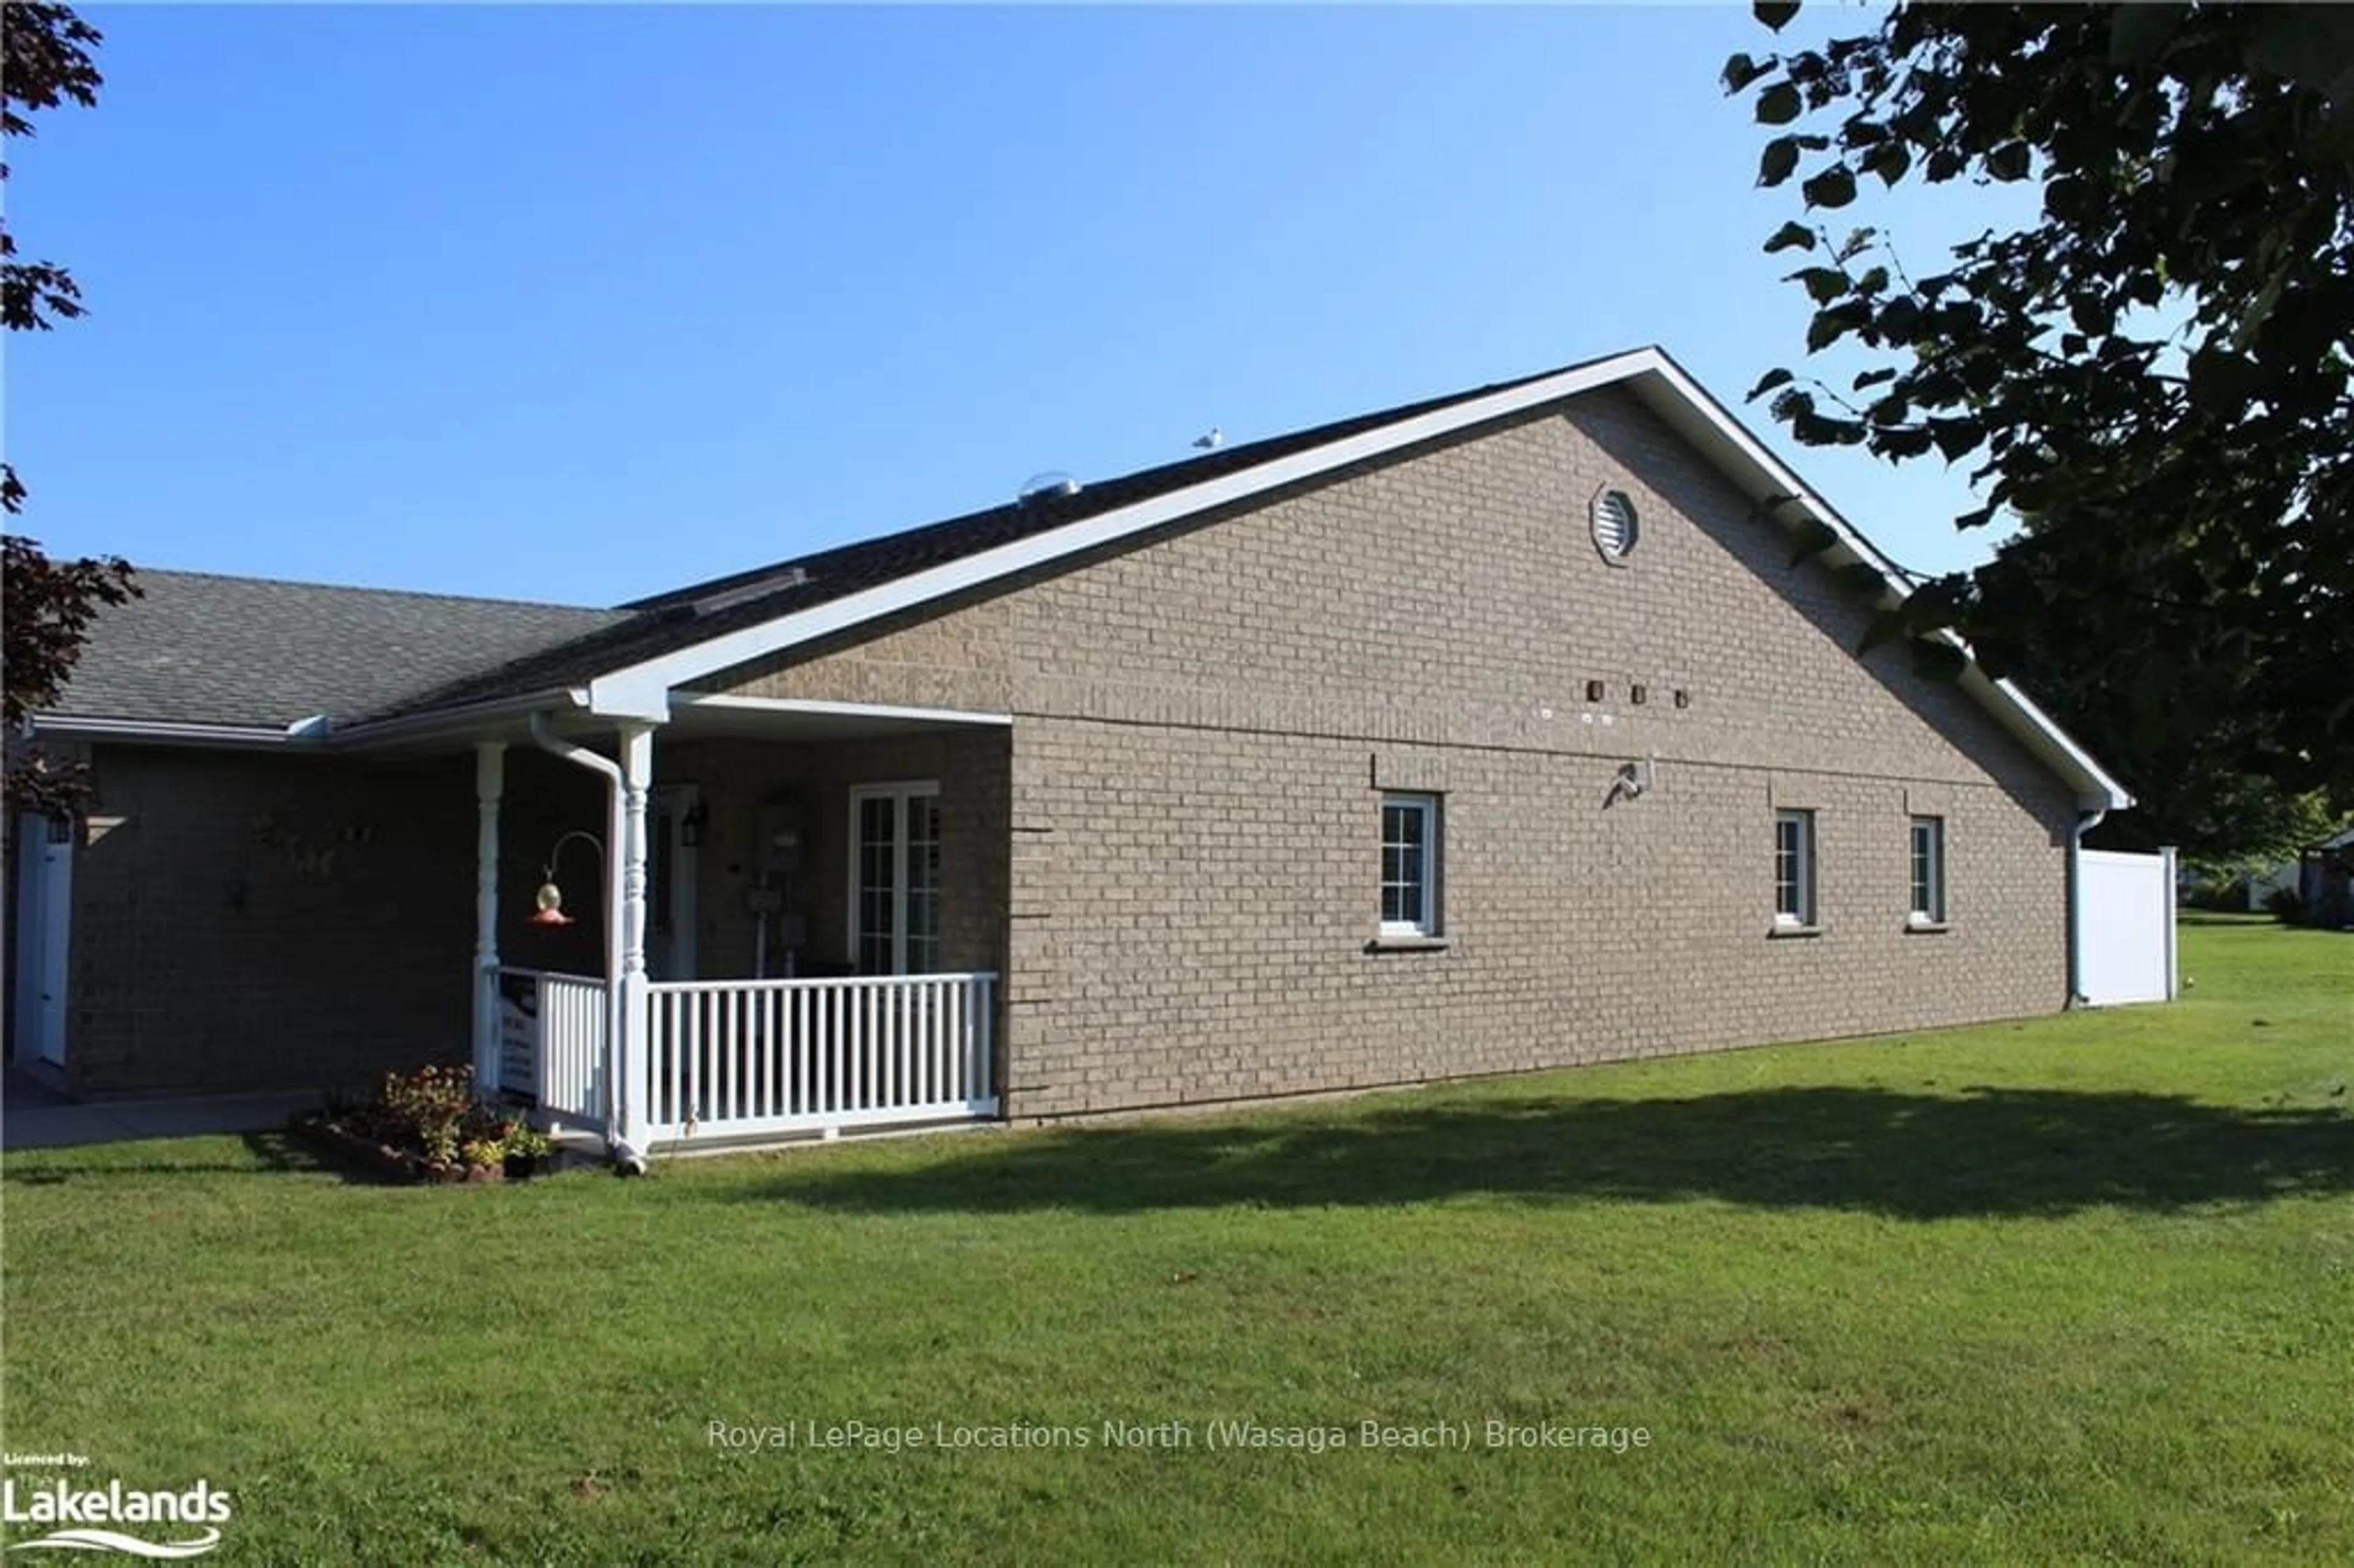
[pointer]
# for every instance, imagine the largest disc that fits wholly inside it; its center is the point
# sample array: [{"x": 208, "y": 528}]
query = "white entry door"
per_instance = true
[
  {"x": 44, "y": 919},
  {"x": 895, "y": 878}
]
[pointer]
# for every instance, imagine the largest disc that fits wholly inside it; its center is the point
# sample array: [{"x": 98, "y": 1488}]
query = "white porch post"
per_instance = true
[
  {"x": 490, "y": 783},
  {"x": 637, "y": 742}
]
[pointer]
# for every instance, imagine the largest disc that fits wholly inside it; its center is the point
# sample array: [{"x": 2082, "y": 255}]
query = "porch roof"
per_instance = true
[{"x": 199, "y": 648}]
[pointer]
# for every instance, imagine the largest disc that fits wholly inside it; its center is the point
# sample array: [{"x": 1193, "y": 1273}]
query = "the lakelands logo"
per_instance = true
[{"x": 82, "y": 1517}]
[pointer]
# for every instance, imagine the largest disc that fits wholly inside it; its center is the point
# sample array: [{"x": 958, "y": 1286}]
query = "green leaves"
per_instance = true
[
  {"x": 50, "y": 603},
  {"x": 1810, "y": 424},
  {"x": 1810, "y": 539},
  {"x": 1885, "y": 627},
  {"x": 1778, "y": 105},
  {"x": 1956, "y": 439},
  {"x": 1823, "y": 284},
  {"x": 1834, "y": 187},
  {"x": 2011, "y": 161},
  {"x": 1829, "y": 325},
  {"x": 1935, "y": 659},
  {"x": 2224, "y": 383},
  {"x": 2070, "y": 199},
  {"x": 2309, "y": 44},
  {"x": 1774, "y": 14},
  {"x": 1862, "y": 580},
  {"x": 1741, "y": 71},
  {"x": 1901, "y": 442},
  {"x": 1767, "y": 382},
  {"x": 2145, "y": 368},
  {"x": 2092, "y": 314},
  {"x": 2137, "y": 33},
  {"x": 1889, "y": 160},
  {"x": 1899, "y": 318}
]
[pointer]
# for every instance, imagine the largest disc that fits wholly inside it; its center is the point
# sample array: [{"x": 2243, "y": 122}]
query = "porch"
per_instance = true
[
  {"x": 755, "y": 1059},
  {"x": 800, "y": 936}
]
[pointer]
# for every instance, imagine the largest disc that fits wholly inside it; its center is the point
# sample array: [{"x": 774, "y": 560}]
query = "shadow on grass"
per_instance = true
[
  {"x": 2233, "y": 919},
  {"x": 1910, "y": 1156},
  {"x": 267, "y": 1153}
]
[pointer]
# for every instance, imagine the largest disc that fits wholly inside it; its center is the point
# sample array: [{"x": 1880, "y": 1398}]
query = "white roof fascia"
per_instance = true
[
  {"x": 2096, "y": 787},
  {"x": 457, "y": 721},
  {"x": 2106, "y": 792},
  {"x": 642, "y": 690},
  {"x": 729, "y": 701},
  {"x": 164, "y": 732}
]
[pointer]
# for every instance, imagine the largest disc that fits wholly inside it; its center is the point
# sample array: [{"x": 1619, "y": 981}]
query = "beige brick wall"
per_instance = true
[
  {"x": 811, "y": 783},
  {"x": 243, "y": 920},
  {"x": 1171, "y": 854},
  {"x": 1203, "y": 725}
]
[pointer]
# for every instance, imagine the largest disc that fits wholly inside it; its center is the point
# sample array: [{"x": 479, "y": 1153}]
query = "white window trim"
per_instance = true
[
  {"x": 1426, "y": 924},
  {"x": 900, "y": 793},
  {"x": 1809, "y": 912},
  {"x": 1933, "y": 916}
]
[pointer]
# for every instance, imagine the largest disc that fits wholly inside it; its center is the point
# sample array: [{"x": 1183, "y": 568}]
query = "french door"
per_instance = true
[{"x": 895, "y": 878}]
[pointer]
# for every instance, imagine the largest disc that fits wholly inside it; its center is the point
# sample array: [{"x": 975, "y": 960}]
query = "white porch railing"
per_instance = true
[
  {"x": 552, "y": 1043},
  {"x": 741, "y": 1058}
]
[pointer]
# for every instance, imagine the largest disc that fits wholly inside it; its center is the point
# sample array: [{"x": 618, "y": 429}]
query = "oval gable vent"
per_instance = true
[{"x": 1615, "y": 528}]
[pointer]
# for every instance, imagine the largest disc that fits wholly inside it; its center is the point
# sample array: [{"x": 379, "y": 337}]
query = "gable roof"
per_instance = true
[
  {"x": 201, "y": 650},
  {"x": 625, "y": 663},
  {"x": 687, "y": 616}
]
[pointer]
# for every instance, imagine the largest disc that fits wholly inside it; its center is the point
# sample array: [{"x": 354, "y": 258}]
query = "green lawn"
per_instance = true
[{"x": 2072, "y": 1291}]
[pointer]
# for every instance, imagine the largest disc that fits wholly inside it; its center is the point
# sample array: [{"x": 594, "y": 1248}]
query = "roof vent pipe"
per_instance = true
[{"x": 1051, "y": 485}]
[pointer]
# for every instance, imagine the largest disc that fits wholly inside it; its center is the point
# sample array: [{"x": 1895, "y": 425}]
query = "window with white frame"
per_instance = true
[
  {"x": 1794, "y": 868},
  {"x": 1409, "y": 865},
  {"x": 895, "y": 878},
  {"x": 1929, "y": 871}
]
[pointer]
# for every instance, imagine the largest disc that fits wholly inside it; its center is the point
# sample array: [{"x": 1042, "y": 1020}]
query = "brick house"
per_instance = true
[{"x": 1492, "y": 732}]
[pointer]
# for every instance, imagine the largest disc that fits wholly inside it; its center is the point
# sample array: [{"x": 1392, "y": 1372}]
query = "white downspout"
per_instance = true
[
  {"x": 615, "y": 1015},
  {"x": 2173, "y": 955},
  {"x": 2087, "y": 820}
]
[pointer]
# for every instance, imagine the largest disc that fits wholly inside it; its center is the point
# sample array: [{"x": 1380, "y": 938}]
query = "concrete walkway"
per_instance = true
[{"x": 26, "y": 1124}]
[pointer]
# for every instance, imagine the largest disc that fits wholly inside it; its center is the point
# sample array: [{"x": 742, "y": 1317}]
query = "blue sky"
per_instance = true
[{"x": 576, "y": 303}]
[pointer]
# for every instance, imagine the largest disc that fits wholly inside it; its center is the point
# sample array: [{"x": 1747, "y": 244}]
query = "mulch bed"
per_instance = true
[{"x": 383, "y": 1159}]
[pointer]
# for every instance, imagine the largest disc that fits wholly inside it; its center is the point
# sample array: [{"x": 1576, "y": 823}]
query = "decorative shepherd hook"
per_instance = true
[{"x": 550, "y": 897}]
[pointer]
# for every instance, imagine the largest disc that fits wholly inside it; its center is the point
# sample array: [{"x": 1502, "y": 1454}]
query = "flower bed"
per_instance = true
[{"x": 428, "y": 1125}]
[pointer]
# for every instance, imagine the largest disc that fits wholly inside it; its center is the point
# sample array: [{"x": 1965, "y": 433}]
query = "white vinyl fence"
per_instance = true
[
  {"x": 741, "y": 1058},
  {"x": 2124, "y": 927},
  {"x": 552, "y": 1043}
]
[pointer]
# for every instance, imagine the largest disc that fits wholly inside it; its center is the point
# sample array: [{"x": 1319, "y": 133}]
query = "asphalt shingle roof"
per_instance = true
[
  {"x": 201, "y": 649},
  {"x": 242, "y": 650},
  {"x": 668, "y": 621}
]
